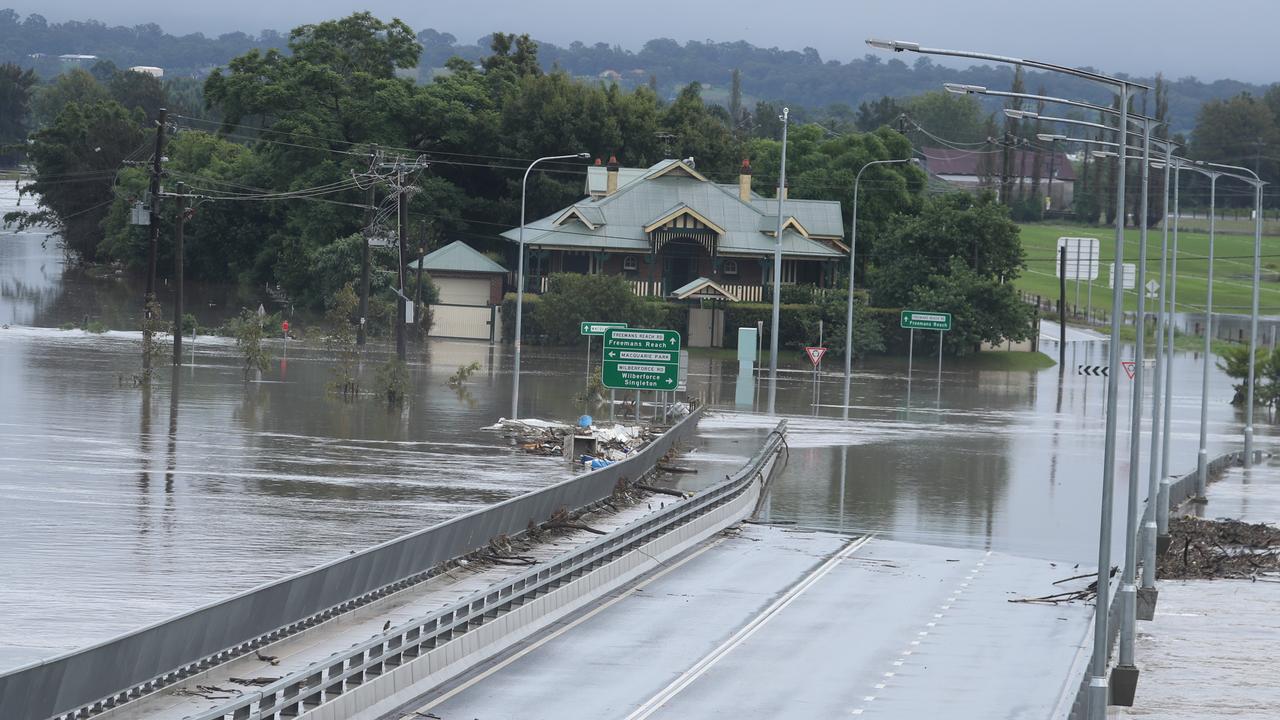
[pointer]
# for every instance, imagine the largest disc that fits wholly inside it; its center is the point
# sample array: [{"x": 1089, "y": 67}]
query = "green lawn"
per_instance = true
[{"x": 1233, "y": 267}]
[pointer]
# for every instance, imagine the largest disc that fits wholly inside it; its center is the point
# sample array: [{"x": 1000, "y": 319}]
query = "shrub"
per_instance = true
[
  {"x": 555, "y": 317},
  {"x": 247, "y": 330}
]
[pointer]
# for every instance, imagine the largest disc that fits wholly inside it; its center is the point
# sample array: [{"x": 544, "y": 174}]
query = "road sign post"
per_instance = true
[
  {"x": 594, "y": 329},
  {"x": 913, "y": 320},
  {"x": 641, "y": 359}
]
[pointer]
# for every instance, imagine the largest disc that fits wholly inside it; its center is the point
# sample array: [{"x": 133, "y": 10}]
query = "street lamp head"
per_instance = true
[
  {"x": 1049, "y": 137},
  {"x": 894, "y": 45},
  {"x": 1102, "y": 153},
  {"x": 584, "y": 156},
  {"x": 1020, "y": 114},
  {"x": 962, "y": 89}
]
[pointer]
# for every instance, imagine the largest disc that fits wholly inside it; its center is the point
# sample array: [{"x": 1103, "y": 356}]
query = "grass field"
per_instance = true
[{"x": 1233, "y": 267}]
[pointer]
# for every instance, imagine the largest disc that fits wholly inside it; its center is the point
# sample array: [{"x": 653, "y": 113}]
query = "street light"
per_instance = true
[
  {"x": 853, "y": 249},
  {"x": 1257, "y": 184},
  {"x": 777, "y": 268},
  {"x": 1097, "y": 697},
  {"x": 524, "y": 183}
]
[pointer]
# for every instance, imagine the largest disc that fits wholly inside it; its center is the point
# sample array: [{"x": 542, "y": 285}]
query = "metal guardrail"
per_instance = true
[
  {"x": 1180, "y": 491},
  {"x": 305, "y": 690},
  {"x": 85, "y": 681}
]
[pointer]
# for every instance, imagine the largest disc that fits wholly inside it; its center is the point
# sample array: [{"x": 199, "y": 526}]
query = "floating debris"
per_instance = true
[{"x": 1207, "y": 549}]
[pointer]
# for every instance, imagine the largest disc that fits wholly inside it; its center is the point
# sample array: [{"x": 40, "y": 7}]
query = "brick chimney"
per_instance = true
[
  {"x": 611, "y": 173},
  {"x": 744, "y": 182}
]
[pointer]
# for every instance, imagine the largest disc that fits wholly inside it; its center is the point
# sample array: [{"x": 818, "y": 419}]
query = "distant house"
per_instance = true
[
  {"x": 76, "y": 59},
  {"x": 148, "y": 70},
  {"x": 674, "y": 233},
  {"x": 980, "y": 169}
]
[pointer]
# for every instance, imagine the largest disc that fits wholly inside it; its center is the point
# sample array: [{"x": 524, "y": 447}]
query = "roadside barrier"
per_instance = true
[{"x": 90, "y": 680}]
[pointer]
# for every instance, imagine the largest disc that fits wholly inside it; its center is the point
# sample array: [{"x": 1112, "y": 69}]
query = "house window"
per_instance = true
[
  {"x": 630, "y": 263},
  {"x": 789, "y": 268},
  {"x": 730, "y": 267}
]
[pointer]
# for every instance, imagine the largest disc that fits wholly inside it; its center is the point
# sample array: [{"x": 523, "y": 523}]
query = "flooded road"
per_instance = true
[{"x": 121, "y": 506}]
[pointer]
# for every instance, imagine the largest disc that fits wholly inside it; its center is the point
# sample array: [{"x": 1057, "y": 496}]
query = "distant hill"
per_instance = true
[{"x": 800, "y": 78}]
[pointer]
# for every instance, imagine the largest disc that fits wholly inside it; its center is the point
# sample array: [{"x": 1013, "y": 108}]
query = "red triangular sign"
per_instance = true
[
  {"x": 815, "y": 354},
  {"x": 1128, "y": 367}
]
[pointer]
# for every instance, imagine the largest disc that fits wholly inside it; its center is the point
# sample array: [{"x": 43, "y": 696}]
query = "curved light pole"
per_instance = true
[
  {"x": 524, "y": 183},
  {"x": 1202, "y": 456},
  {"x": 1257, "y": 184},
  {"x": 1162, "y": 503},
  {"x": 1097, "y": 694},
  {"x": 853, "y": 250}
]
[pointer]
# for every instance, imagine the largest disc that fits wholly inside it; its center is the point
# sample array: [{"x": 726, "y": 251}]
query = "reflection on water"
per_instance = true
[{"x": 121, "y": 506}]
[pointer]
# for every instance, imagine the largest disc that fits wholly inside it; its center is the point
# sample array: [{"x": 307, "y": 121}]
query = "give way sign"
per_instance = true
[{"x": 815, "y": 354}]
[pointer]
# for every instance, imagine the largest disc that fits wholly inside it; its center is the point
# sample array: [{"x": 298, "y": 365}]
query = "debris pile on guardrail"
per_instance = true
[
  {"x": 1207, "y": 549},
  {"x": 543, "y": 437}
]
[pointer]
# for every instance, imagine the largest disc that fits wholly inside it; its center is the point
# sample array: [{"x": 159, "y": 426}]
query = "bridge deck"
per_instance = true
[
  {"x": 317, "y": 644},
  {"x": 784, "y": 624}
]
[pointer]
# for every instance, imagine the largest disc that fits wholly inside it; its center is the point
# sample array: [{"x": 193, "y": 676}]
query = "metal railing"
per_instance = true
[
  {"x": 1180, "y": 491},
  {"x": 306, "y": 689},
  {"x": 102, "y": 676}
]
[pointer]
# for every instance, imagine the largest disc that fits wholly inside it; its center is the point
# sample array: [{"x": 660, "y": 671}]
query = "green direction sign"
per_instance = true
[
  {"x": 637, "y": 339},
  {"x": 920, "y": 320},
  {"x": 637, "y": 359},
  {"x": 597, "y": 328}
]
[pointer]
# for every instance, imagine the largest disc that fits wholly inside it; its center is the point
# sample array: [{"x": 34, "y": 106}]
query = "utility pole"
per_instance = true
[
  {"x": 403, "y": 226},
  {"x": 364, "y": 264},
  {"x": 149, "y": 297},
  {"x": 364, "y": 256},
  {"x": 178, "y": 243}
]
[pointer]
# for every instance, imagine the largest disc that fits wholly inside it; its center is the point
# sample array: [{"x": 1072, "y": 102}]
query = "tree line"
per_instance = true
[{"x": 282, "y": 159}]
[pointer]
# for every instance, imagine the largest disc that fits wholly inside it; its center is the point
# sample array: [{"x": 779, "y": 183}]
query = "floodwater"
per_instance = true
[
  {"x": 121, "y": 506},
  {"x": 1002, "y": 460}
]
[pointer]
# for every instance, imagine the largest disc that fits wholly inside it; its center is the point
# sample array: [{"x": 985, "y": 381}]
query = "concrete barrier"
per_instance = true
[{"x": 102, "y": 676}]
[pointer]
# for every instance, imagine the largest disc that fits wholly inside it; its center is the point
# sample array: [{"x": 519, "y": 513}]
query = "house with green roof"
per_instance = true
[
  {"x": 469, "y": 287},
  {"x": 669, "y": 228}
]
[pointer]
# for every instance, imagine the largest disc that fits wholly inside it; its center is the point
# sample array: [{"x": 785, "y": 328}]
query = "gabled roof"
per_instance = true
[
  {"x": 819, "y": 217},
  {"x": 587, "y": 215},
  {"x": 458, "y": 256},
  {"x": 677, "y": 211},
  {"x": 703, "y": 287},
  {"x": 621, "y": 220}
]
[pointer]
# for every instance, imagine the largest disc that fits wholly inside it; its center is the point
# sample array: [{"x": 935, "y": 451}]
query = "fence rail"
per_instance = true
[{"x": 85, "y": 681}]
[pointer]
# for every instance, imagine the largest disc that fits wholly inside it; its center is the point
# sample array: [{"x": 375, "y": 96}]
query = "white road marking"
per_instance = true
[
  {"x": 705, "y": 664},
  {"x": 413, "y": 715}
]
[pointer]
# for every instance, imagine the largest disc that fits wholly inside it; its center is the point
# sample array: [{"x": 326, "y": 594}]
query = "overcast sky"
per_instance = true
[{"x": 1210, "y": 40}]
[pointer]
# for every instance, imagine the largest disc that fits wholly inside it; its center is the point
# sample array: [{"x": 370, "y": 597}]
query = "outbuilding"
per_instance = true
[{"x": 470, "y": 292}]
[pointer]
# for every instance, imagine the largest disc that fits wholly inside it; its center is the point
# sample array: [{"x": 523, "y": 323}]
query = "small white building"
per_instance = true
[{"x": 151, "y": 70}]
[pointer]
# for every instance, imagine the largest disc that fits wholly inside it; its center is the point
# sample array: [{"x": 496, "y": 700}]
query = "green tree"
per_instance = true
[
  {"x": 877, "y": 113},
  {"x": 1243, "y": 130},
  {"x": 75, "y": 85},
  {"x": 572, "y": 299},
  {"x": 957, "y": 118},
  {"x": 137, "y": 91},
  {"x": 76, "y": 159},
  {"x": 960, "y": 254},
  {"x": 341, "y": 341},
  {"x": 15, "y": 107}
]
